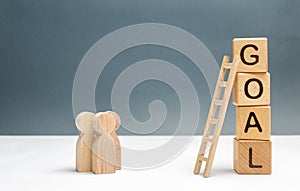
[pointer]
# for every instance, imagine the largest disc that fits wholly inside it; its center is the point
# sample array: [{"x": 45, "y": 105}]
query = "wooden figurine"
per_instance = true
[
  {"x": 252, "y": 157},
  {"x": 253, "y": 122},
  {"x": 253, "y": 53},
  {"x": 116, "y": 139},
  {"x": 251, "y": 89},
  {"x": 83, "y": 122},
  {"x": 104, "y": 156}
]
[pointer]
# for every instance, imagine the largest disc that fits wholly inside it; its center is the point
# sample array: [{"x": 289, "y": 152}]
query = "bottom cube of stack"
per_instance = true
[{"x": 252, "y": 156}]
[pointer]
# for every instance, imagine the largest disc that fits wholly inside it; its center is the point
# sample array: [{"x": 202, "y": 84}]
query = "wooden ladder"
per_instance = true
[{"x": 217, "y": 119}]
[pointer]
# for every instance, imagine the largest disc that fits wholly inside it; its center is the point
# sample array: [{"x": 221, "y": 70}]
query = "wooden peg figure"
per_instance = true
[
  {"x": 116, "y": 139},
  {"x": 104, "y": 149},
  {"x": 84, "y": 123}
]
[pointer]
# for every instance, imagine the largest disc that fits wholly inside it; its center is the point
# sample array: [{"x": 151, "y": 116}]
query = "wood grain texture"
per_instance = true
[
  {"x": 104, "y": 147},
  {"x": 222, "y": 100},
  {"x": 116, "y": 139},
  {"x": 251, "y": 89},
  {"x": 253, "y": 53},
  {"x": 260, "y": 160},
  {"x": 84, "y": 122},
  {"x": 253, "y": 122}
]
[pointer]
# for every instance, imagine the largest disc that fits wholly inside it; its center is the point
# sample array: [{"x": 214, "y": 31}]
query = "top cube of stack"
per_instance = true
[{"x": 253, "y": 53}]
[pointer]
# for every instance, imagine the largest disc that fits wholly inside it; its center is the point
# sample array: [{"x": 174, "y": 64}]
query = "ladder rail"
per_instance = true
[
  {"x": 217, "y": 92},
  {"x": 221, "y": 116},
  {"x": 212, "y": 109}
]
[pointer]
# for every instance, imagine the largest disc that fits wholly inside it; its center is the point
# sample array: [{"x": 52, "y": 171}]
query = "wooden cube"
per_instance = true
[
  {"x": 251, "y": 89},
  {"x": 253, "y": 53},
  {"x": 253, "y": 122},
  {"x": 252, "y": 157}
]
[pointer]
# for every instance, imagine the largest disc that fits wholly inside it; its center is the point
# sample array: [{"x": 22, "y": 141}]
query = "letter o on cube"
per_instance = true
[{"x": 252, "y": 89}]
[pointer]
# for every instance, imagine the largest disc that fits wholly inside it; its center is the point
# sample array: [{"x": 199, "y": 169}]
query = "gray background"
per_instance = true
[{"x": 43, "y": 41}]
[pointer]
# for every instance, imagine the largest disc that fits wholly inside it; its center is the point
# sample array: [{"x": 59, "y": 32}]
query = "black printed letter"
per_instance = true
[
  {"x": 252, "y": 56},
  {"x": 256, "y": 124},
  {"x": 251, "y": 165},
  {"x": 260, "y": 88}
]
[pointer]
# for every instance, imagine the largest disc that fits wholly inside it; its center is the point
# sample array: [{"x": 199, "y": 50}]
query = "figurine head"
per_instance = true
[
  {"x": 84, "y": 122},
  {"x": 105, "y": 122}
]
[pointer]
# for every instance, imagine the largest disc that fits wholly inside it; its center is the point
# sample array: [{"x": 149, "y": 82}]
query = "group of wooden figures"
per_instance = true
[
  {"x": 98, "y": 147},
  {"x": 251, "y": 95}
]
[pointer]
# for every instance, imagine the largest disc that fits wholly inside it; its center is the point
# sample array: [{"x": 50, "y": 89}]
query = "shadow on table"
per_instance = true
[
  {"x": 66, "y": 170},
  {"x": 222, "y": 172}
]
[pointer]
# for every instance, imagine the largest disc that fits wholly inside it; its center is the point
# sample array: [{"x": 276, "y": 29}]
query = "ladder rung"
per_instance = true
[
  {"x": 207, "y": 139},
  {"x": 213, "y": 121},
  {"x": 202, "y": 158},
  {"x": 218, "y": 102},
  {"x": 222, "y": 84},
  {"x": 227, "y": 66},
  {"x": 213, "y": 139}
]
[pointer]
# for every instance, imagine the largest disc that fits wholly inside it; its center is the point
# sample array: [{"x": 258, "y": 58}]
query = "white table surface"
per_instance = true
[{"x": 48, "y": 163}]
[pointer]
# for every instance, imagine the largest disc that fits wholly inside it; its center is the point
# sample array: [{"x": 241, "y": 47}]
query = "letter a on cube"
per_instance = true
[{"x": 253, "y": 122}]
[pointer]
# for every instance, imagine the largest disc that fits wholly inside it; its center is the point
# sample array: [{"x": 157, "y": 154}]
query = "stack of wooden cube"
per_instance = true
[{"x": 251, "y": 95}]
